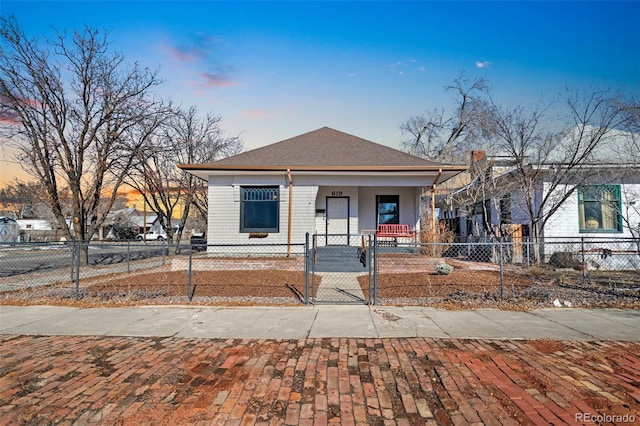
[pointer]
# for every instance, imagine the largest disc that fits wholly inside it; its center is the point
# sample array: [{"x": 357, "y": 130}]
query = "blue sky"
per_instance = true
[{"x": 273, "y": 70}]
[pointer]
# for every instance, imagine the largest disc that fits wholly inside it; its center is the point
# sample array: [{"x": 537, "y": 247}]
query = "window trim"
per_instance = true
[
  {"x": 246, "y": 230},
  {"x": 618, "y": 213},
  {"x": 379, "y": 198}
]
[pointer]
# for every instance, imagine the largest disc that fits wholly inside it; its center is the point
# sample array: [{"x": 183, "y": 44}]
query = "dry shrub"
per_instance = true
[{"x": 437, "y": 240}]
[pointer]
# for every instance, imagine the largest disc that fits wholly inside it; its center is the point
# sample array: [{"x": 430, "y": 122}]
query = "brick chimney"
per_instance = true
[{"x": 478, "y": 155}]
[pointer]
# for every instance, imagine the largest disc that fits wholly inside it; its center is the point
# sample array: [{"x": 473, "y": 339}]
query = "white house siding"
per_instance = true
[
  {"x": 564, "y": 225},
  {"x": 224, "y": 215},
  {"x": 565, "y": 221},
  {"x": 34, "y": 225},
  {"x": 310, "y": 194}
]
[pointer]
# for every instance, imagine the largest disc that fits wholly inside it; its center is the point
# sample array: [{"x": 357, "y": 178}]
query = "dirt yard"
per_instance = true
[{"x": 468, "y": 286}]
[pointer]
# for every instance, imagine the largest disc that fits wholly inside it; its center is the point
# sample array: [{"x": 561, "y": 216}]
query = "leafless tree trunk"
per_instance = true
[
  {"x": 200, "y": 199},
  {"x": 68, "y": 104},
  {"x": 185, "y": 139}
]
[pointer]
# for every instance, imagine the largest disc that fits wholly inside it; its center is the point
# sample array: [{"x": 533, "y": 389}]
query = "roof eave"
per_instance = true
[{"x": 284, "y": 168}]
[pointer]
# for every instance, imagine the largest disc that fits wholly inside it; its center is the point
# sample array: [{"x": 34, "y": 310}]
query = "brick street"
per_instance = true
[{"x": 398, "y": 381}]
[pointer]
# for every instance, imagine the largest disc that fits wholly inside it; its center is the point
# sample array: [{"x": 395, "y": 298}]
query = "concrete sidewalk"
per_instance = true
[{"x": 259, "y": 322}]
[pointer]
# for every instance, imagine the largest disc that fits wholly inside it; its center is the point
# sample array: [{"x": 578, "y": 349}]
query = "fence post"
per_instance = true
[
  {"x": 189, "y": 288},
  {"x": 306, "y": 268},
  {"x": 77, "y": 277},
  {"x": 584, "y": 262},
  {"x": 369, "y": 248},
  {"x": 72, "y": 269},
  {"x": 163, "y": 249},
  {"x": 314, "y": 245},
  {"x": 375, "y": 269},
  {"x": 128, "y": 256},
  {"x": 501, "y": 272}
]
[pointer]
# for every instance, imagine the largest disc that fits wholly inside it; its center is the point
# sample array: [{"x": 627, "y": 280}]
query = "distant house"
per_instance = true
[
  {"x": 130, "y": 219},
  {"x": 9, "y": 230},
  {"x": 40, "y": 230},
  {"x": 323, "y": 182}
]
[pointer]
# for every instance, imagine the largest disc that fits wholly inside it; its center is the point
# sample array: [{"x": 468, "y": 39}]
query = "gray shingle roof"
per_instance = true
[{"x": 325, "y": 147}]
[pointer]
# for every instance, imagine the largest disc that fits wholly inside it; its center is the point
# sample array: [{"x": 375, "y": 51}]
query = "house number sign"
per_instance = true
[{"x": 336, "y": 193}]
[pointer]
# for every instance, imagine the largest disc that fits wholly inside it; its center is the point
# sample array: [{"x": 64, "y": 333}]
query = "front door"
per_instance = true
[{"x": 338, "y": 216}]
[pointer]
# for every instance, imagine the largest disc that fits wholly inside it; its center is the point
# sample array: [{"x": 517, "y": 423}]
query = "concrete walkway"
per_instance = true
[
  {"x": 336, "y": 287},
  {"x": 322, "y": 321}
]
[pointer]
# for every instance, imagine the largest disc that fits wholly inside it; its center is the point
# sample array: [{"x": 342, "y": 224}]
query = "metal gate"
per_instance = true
[{"x": 342, "y": 269}]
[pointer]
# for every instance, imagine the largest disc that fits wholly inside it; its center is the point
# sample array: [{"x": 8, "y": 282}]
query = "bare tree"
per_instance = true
[
  {"x": 449, "y": 137},
  {"x": 200, "y": 200},
  {"x": 563, "y": 160},
  {"x": 185, "y": 139},
  {"x": 23, "y": 200},
  {"x": 69, "y": 104}
]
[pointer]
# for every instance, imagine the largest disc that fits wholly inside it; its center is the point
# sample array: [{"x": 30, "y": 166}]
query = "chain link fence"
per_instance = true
[
  {"x": 61, "y": 268},
  {"x": 341, "y": 269},
  {"x": 320, "y": 269},
  {"x": 409, "y": 272},
  {"x": 246, "y": 273}
]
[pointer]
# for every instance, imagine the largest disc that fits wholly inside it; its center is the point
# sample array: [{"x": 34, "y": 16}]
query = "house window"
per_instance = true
[
  {"x": 599, "y": 208},
  {"x": 259, "y": 209},
  {"x": 388, "y": 209},
  {"x": 483, "y": 210},
  {"x": 505, "y": 209}
]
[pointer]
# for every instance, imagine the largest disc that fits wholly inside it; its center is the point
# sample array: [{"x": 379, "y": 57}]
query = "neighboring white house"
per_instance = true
[
  {"x": 595, "y": 202},
  {"x": 599, "y": 207},
  {"x": 37, "y": 230},
  {"x": 322, "y": 182},
  {"x": 598, "y": 197}
]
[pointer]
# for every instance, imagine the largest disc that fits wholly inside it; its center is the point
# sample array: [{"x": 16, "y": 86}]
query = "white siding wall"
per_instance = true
[
  {"x": 224, "y": 204},
  {"x": 224, "y": 215},
  {"x": 631, "y": 206},
  {"x": 565, "y": 222}
]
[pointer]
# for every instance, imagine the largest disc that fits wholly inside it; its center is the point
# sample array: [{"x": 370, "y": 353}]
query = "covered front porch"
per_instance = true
[{"x": 356, "y": 210}]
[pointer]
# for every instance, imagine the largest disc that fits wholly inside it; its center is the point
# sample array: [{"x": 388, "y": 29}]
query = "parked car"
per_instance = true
[
  {"x": 152, "y": 236},
  {"x": 199, "y": 242}
]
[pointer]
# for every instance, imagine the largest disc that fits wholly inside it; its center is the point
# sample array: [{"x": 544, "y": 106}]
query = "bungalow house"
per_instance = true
[{"x": 324, "y": 182}]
